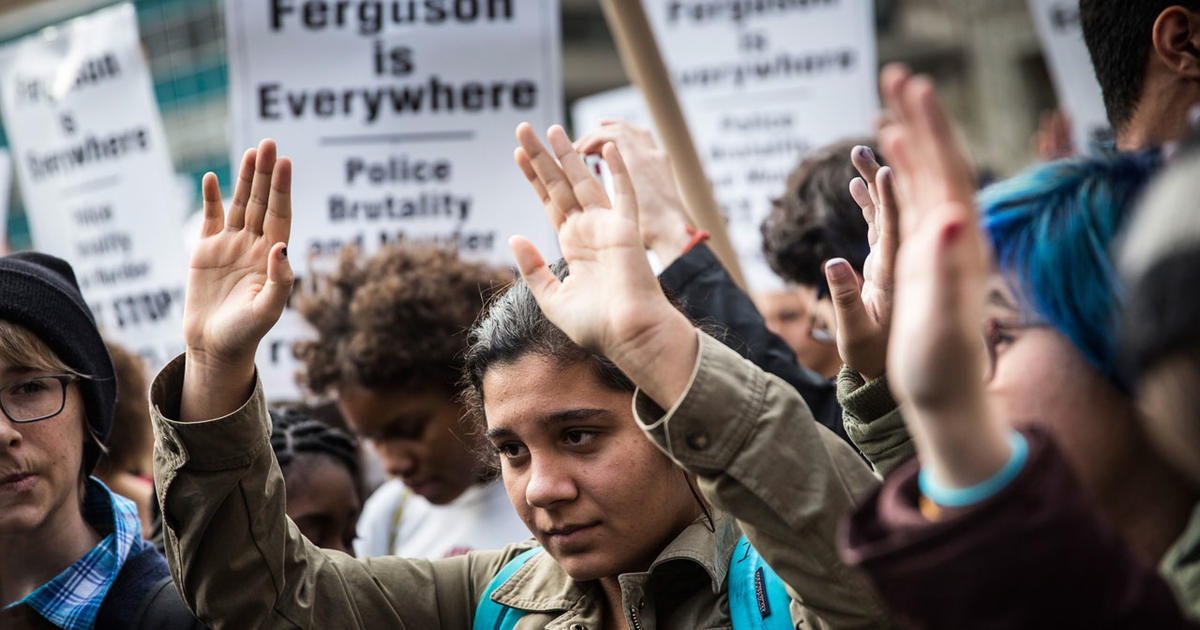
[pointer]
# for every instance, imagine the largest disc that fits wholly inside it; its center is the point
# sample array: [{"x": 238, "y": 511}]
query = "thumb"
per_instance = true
[
  {"x": 852, "y": 318},
  {"x": 541, "y": 281},
  {"x": 279, "y": 281}
]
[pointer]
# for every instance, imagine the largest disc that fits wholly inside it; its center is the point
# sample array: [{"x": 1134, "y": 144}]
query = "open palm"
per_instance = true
[
  {"x": 611, "y": 298},
  {"x": 239, "y": 277}
]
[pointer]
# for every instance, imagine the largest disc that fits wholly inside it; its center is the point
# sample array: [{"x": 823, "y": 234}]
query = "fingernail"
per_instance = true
[
  {"x": 865, "y": 152},
  {"x": 951, "y": 231},
  {"x": 838, "y": 269}
]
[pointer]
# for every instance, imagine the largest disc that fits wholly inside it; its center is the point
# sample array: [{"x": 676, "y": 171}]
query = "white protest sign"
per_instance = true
[
  {"x": 5, "y": 185},
  {"x": 399, "y": 118},
  {"x": 1070, "y": 65},
  {"x": 761, "y": 85},
  {"x": 95, "y": 173}
]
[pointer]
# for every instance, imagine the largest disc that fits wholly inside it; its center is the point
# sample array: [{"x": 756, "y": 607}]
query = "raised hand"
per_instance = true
[
  {"x": 864, "y": 313},
  {"x": 936, "y": 354},
  {"x": 239, "y": 279},
  {"x": 662, "y": 218},
  {"x": 610, "y": 302}
]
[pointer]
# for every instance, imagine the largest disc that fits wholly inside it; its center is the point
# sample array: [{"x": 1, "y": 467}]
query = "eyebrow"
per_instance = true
[{"x": 557, "y": 417}]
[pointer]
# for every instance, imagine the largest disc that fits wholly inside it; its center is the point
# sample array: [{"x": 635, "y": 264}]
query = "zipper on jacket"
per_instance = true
[{"x": 637, "y": 625}]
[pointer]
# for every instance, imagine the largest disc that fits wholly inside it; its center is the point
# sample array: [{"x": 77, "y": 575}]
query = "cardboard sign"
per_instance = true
[
  {"x": 761, "y": 85},
  {"x": 96, "y": 175},
  {"x": 399, "y": 119},
  {"x": 1071, "y": 69}
]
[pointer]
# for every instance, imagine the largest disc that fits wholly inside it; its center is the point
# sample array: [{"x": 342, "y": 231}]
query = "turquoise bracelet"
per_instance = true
[{"x": 962, "y": 497}]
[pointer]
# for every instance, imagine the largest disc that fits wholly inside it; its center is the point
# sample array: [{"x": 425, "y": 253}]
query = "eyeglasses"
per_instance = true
[{"x": 35, "y": 398}]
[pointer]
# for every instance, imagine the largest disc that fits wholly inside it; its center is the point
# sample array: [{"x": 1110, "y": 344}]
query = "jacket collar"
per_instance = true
[{"x": 541, "y": 585}]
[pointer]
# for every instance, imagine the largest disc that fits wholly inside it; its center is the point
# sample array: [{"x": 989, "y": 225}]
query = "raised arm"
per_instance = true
[
  {"x": 236, "y": 558},
  {"x": 706, "y": 290}
]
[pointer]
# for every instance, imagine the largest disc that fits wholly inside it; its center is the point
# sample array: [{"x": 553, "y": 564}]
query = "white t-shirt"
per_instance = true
[{"x": 397, "y": 522}]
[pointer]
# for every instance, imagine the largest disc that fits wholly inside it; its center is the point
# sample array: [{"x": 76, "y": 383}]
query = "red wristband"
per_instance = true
[{"x": 698, "y": 236}]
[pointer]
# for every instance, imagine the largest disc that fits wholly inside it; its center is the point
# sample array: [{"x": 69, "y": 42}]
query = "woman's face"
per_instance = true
[
  {"x": 39, "y": 462},
  {"x": 1040, "y": 377},
  {"x": 323, "y": 500},
  {"x": 418, "y": 435},
  {"x": 597, "y": 495}
]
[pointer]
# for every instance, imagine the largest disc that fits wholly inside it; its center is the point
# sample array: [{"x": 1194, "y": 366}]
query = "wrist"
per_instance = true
[
  {"x": 660, "y": 358},
  {"x": 669, "y": 241}
]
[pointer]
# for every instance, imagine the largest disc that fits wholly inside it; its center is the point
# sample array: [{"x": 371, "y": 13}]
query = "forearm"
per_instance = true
[
  {"x": 758, "y": 455},
  {"x": 237, "y": 559}
]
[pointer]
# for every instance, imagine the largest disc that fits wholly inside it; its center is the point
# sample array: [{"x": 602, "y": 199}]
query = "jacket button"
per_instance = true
[{"x": 698, "y": 441}]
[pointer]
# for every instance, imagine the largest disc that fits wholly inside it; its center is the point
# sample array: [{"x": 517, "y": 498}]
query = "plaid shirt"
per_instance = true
[{"x": 72, "y": 599}]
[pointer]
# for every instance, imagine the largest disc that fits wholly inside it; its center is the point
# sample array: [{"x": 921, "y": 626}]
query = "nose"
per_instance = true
[
  {"x": 399, "y": 458},
  {"x": 550, "y": 483},
  {"x": 10, "y": 437}
]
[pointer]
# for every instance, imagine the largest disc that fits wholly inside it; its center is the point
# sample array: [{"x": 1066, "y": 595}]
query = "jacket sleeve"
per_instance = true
[
  {"x": 751, "y": 441},
  {"x": 1038, "y": 554},
  {"x": 873, "y": 421},
  {"x": 240, "y": 562},
  {"x": 712, "y": 299}
]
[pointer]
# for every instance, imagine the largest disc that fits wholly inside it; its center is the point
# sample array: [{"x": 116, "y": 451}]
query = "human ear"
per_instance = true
[{"x": 1176, "y": 41}]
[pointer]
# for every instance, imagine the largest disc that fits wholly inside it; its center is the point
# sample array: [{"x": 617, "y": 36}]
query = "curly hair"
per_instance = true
[
  {"x": 397, "y": 320},
  {"x": 816, "y": 219}
]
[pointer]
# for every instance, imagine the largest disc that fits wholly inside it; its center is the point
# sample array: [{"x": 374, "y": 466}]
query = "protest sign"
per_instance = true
[
  {"x": 399, "y": 117},
  {"x": 5, "y": 185},
  {"x": 1070, "y": 66},
  {"x": 761, "y": 85},
  {"x": 95, "y": 173}
]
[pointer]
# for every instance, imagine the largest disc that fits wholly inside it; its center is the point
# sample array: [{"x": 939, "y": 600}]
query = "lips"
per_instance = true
[
  {"x": 566, "y": 536},
  {"x": 17, "y": 482}
]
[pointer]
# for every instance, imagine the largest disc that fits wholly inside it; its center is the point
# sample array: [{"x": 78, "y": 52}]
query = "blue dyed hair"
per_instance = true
[{"x": 1052, "y": 228}]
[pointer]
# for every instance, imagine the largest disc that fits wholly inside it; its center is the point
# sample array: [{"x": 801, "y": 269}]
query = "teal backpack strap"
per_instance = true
[
  {"x": 490, "y": 615},
  {"x": 758, "y": 599}
]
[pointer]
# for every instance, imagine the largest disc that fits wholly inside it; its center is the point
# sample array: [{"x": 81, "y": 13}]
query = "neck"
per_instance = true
[
  {"x": 31, "y": 558},
  {"x": 1151, "y": 506},
  {"x": 615, "y": 615},
  {"x": 1161, "y": 116}
]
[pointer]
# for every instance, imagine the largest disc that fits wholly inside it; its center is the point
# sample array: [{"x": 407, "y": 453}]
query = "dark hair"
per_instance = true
[
  {"x": 132, "y": 435},
  {"x": 512, "y": 327},
  {"x": 1119, "y": 39},
  {"x": 396, "y": 321},
  {"x": 816, "y": 219},
  {"x": 294, "y": 433}
]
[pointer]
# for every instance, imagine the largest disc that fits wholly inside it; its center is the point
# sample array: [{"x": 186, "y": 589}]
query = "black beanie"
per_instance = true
[{"x": 39, "y": 293}]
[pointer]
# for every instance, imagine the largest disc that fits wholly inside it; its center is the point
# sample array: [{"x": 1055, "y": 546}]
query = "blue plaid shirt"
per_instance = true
[{"x": 72, "y": 599}]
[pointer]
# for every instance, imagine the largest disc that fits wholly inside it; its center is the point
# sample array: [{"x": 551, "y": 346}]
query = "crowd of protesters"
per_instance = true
[{"x": 968, "y": 409}]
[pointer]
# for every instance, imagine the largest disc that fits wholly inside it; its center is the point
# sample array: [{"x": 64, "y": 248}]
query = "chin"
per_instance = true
[{"x": 20, "y": 519}]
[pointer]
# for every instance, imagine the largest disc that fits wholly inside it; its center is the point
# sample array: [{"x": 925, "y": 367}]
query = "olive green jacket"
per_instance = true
[{"x": 241, "y": 563}]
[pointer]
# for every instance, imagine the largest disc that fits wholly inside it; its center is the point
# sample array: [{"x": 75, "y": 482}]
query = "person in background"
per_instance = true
[
  {"x": 815, "y": 220},
  {"x": 127, "y": 466},
  {"x": 1160, "y": 341},
  {"x": 1146, "y": 54},
  {"x": 391, "y": 330},
  {"x": 320, "y": 472},
  {"x": 71, "y": 551}
]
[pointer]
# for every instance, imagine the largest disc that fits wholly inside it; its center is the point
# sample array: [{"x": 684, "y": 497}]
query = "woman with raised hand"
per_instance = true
[
  {"x": 622, "y": 541},
  {"x": 990, "y": 528}
]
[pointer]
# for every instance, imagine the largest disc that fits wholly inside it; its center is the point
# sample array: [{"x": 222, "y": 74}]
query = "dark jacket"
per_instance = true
[
  {"x": 1038, "y": 554},
  {"x": 143, "y": 596},
  {"x": 712, "y": 299}
]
